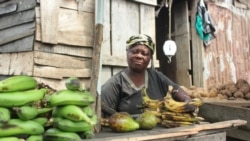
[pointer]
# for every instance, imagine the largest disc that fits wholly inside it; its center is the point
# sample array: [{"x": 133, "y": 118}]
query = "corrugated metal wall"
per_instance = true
[{"x": 227, "y": 58}]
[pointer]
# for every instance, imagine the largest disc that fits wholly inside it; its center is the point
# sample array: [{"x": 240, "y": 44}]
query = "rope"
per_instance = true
[{"x": 169, "y": 16}]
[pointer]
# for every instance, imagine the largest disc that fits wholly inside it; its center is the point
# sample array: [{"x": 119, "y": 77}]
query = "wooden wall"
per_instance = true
[
  {"x": 48, "y": 39},
  {"x": 227, "y": 59}
]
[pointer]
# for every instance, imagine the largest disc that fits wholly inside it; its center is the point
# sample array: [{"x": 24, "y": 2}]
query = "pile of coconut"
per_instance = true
[{"x": 230, "y": 91}]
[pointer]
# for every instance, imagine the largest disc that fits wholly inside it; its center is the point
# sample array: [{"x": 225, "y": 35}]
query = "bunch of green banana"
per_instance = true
[
  {"x": 179, "y": 107},
  {"x": 18, "y": 83},
  {"x": 4, "y": 115},
  {"x": 72, "y": 112},
  {"x": 27, "y": 112},
  {"x": 19, "y": 127},
  {"x": 54, "y": 134},
  {"x": 20, "y": 98},
  {"x": 66, "y": 97}
]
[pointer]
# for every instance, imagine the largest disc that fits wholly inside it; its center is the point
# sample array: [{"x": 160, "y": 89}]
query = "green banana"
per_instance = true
[
  {"x": 88, "y": 110},
  {"x": 18, "y": 83},
  {"x": 54, "y": 134},
  {"x": 73, "y": 83},
  {"x": 41, "y": 120},
  {"x": 87, "y": 134},
  {"x": 29, "y": 112},
  {"x": 71, "y": 126},
  {"x": 4, "y": 114},
  {"x": 15, "y": 99},
  {"x": 65, "y": 97},
  {"x": 71, "y": 112},
  {"x": 35, "y": 138},
  {"x": 20, "y": 127},
  {"x": 10, "y": 139}
]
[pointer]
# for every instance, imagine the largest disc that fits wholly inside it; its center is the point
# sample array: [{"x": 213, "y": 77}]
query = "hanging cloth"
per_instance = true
[{"x": 204, "y": 25}]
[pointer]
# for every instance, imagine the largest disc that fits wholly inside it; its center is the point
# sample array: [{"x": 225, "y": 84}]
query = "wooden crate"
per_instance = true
[{"x": 221, "y": 111}]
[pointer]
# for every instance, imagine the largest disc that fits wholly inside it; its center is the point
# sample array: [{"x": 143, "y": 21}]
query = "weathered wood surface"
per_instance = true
[
  {"x": 197, "y": 50},
  {"x": 49, "y": 21},
  {"x": 149, "y": 2},
  {"x": 72, "y": 28},
  {"x": 17, "y": 28},
  {"x": 60, "y": 73},
  {"x": 157, "y": 134},
  {"x": 182, "y": 39},
  {"x": 226, "y": 110},
  {"x": 8, "y": 8},
  {"x": 20, "y": 45},
  {"x": 17, "y": 19},
  {"x": 17, "y": 32},
  {"x": 61, "y": 61},
  {"x": 22, "y": 5},
  {"x": 16, "y": 63},
  {"x": 85, "y": 52},
  {"x": 87, "y": 5}
]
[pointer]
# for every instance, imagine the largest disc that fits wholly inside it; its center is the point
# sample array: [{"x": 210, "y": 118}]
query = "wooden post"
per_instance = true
[{"x": 95, "y": 72}]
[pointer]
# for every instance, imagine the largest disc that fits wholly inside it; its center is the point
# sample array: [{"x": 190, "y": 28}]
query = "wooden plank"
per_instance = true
[
  {"x": 197, "y": 50},
  {"x": 17, "y": 19},
  {"x": 182, "y": 39},
  {"x": 239, "y": 134},
  {"x": 49, "y": 21},
  {"x": 214, "y": 112},
  {"x": 76, "y": 28},
  {"x": 17, "y": 32},
  {"x": 16, "y": 63},
  {"x": 87, "y": 6},
  {"x": 60, "y": 73},
  {"x": 73, "y": 28},
  {"x": 1, "y": 1},
  {"x": 85, "y": 52},
  {"x": 61, "y": 61},
  {"x": 59, "y": 84},
  {"x": 20, "y": 45},
  {"x": 114, "y": 61},
  {"x": 149, "y": 2},
  {"x": 129, "y": 10},
  {"x": 95, "y": 71},
  {"x": 210, "y": 137},
  {"x": 174, "y": 132},
  {"x": 8, "y": 8},
  {"x": 106, "y": 45},
  {"x": 148, "y": 21},
  {"x": 22, "y": 5}
]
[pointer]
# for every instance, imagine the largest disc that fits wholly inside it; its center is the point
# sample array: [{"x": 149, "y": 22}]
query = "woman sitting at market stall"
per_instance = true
[{"x": 122, "y": 92}]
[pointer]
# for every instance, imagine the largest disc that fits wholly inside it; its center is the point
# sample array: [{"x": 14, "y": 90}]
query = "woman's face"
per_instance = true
[{"x": 138, "y": 57}]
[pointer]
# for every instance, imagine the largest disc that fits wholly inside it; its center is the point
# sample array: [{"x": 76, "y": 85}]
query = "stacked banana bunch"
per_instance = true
[
  {"x": 19, "y": 117},
  {"x": 172, "y": 113},
  {"x": 30, "y": 113}
]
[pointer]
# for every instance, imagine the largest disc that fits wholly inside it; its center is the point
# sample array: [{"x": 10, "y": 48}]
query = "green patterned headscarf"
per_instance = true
[{"x": 141, "y": 39}]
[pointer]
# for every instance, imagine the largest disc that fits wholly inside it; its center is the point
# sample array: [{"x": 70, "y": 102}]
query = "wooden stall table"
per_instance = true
[{"x": 205, "y": 132}]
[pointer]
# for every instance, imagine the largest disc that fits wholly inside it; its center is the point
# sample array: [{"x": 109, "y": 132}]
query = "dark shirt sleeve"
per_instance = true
[
  {"x": 110, "y": 96},
  {"x": 158, "y": 78}
]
